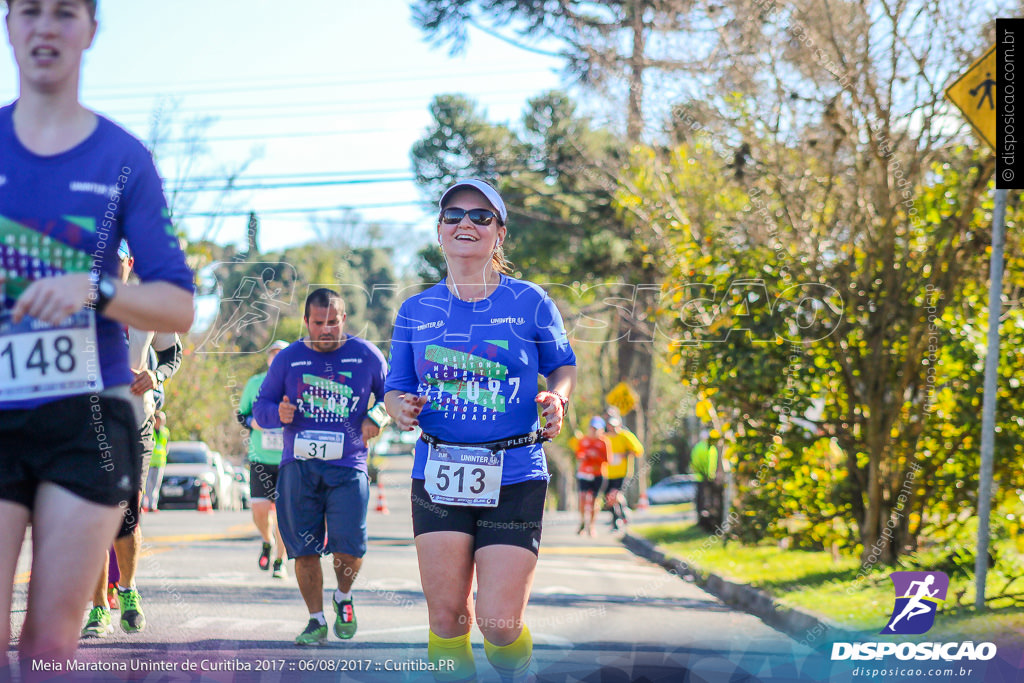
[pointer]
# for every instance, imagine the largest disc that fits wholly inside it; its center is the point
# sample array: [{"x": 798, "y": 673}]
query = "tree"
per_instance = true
[
  {"x": 188, "y": 167},
  {"x": 603, "y": 43},
  {"x": 854, "y": 188}
]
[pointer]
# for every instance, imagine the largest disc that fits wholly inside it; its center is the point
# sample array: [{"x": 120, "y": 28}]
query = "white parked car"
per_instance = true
[{"x": 227, "y": 492}]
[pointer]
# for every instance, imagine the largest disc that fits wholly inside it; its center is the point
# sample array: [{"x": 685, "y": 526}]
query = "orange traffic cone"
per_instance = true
[
  {"x": 205, "y": 504},
  {"x": 382, "y": 505},
  {"x": 643, "y": 503}
]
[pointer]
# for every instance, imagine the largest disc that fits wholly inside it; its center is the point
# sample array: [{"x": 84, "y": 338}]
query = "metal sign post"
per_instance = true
[
  {"x": 973, "y": 93},
  {"x": 988, "y": 406}
]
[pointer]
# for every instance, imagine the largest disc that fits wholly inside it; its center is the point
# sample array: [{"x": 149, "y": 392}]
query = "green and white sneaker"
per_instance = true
[
  {"x": 280, "y": 572},
  {"x": 315, "y": 634},
  {"x": 345, "y": 623},
  {"x": 98, "y": 624},
  {"x": 132, "y": 618}
]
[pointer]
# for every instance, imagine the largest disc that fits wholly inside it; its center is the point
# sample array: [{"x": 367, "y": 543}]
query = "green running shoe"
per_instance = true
[
  {"x": 98, "y": 625},
  {"x": 315, "y": 634},
  {"x": 279, "y": 570},
  {"x": 132, "y": 618},
  {"x": 345, "y": 622}
]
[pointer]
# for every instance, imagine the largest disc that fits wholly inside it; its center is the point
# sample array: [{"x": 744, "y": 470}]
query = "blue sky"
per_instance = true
[{"x": 313, "y": 91}]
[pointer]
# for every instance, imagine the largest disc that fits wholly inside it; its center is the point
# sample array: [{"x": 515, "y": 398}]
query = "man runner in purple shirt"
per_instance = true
[{"x": 319, "y": 390}]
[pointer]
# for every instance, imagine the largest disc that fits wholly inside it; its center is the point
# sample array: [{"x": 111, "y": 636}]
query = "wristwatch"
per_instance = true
[{"x": 103, "y": 289}]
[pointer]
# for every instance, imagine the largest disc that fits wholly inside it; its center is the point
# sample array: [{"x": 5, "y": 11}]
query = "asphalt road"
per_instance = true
[{"x": 597, "y": 613}]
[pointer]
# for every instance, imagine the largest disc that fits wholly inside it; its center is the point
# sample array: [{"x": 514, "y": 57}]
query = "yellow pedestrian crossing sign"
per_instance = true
[
  {"x": 974, "y": 94},
  {"x": 622, "y": 397}
]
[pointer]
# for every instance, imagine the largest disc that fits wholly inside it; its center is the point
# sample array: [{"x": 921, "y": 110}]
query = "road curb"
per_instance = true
[{"x": 808, "y": 629}]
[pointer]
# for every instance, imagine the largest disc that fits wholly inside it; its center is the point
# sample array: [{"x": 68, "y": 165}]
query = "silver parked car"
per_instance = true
[
  {"x": 679, "y": 488},
  {"x": 189, "y": 465}
]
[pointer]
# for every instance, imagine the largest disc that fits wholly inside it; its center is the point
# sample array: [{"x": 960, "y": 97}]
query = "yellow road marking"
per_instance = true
[
  {"x": 236, "y": 531},
  {"x": 233, "y": 532},
  {"x": 582, "y": 550}
]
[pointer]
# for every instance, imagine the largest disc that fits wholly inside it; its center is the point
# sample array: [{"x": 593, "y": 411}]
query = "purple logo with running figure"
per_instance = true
[{"x": 918, "y": 595}]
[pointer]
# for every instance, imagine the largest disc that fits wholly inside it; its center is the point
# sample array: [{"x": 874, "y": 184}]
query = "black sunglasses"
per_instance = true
[{"x": 453, "y": 216}]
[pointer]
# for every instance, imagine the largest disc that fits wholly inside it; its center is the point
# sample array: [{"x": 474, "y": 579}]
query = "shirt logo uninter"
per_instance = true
[
  {"x": 509, "y": 320},
  {"x": 94, "y": 188}
]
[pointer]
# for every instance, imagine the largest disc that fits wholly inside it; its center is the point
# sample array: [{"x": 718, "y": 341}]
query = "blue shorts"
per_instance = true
[{"x": 321, "y": 508}]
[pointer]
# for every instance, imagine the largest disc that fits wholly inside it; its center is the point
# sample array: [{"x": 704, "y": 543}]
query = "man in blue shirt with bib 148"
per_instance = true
[{"x": 319, "y": 390}]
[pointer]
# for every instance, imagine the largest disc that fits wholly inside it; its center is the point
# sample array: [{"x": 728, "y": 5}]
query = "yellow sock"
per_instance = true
[
  {"x": 452, "y": 658},
  {"x": 511, "y": 661}
]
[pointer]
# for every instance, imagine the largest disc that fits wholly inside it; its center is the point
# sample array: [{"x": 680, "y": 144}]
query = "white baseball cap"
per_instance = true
[
  {"x": 278, "y": 345},
  {"x": 483, "y": 188}
]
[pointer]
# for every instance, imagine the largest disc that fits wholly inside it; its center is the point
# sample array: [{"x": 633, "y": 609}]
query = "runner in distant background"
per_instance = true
[
  {"x": 593, "y": 451},
  {"x": 154, "y": 358},
  {"x": 265, "y": 448},
  {"x": 151, "y": 500},
  {"x": 626, "y": 448}
]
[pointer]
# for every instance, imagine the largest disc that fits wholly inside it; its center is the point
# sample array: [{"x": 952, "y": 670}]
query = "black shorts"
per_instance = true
[
  {"x": 615, "y": 484},
  {"x": 589, "y": 485},
  {"x": 263, "y": 481},
  {"x": 86, "y": 444},
  {"x": 517, "y": 520},
  {"x": 132, "y": 510}
]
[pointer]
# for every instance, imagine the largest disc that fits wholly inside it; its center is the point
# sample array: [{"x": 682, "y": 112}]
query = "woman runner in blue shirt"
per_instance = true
[
  {"x": 465, "y": 359},
  {"x": 72, "y": 185}
]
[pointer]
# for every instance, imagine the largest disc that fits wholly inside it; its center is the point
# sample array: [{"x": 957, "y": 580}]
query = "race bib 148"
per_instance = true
[{"x": 38, "y": 360}]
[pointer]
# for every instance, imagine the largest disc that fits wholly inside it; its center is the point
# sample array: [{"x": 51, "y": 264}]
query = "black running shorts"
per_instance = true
[
  {"x": 517, "y": 520},
  {"x": 263, "y": 481},
  {"x": 589, "y": 485},
  {"x": 132, "y": 511},
  {"x": 86, "y": 444}
]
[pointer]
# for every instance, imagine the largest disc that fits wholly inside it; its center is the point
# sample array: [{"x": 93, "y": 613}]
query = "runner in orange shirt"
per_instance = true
[{"x": 592, "y": 453}]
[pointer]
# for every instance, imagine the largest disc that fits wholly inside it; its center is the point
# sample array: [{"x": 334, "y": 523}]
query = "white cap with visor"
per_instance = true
[{"x": 483, "y": 188}]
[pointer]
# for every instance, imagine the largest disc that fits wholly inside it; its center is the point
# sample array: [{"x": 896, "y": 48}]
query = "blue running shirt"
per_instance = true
[
  {"x": 331, "y": 392},
  {"x": 478, "y": 363},
  {"x": 67, "y": 213}
]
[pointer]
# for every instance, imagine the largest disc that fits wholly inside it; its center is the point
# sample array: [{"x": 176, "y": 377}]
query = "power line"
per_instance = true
[
  {"x": 286, "y": 185},
  {"x": 300, "y": 218},
  {"x": 270, "y": 136},
  {"x": 304, "y": 106},
  {"x": 264, "y": 86},
  {"x": 318, "y": 209},
  {"x": 289, "y": 176},
  {"x": 202, "y": 139}
]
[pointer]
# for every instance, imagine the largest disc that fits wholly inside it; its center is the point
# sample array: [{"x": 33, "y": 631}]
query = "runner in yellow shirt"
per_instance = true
[{"x": 625, "y": 447}]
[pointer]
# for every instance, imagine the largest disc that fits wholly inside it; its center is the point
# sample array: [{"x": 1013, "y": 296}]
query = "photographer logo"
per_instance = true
[{"x": 918, "y": 595}]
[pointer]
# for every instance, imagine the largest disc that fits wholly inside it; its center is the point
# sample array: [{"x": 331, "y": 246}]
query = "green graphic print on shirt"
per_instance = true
[
  {"x": 473, "y": 380},
  {"x": 324, "y": 399}
]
